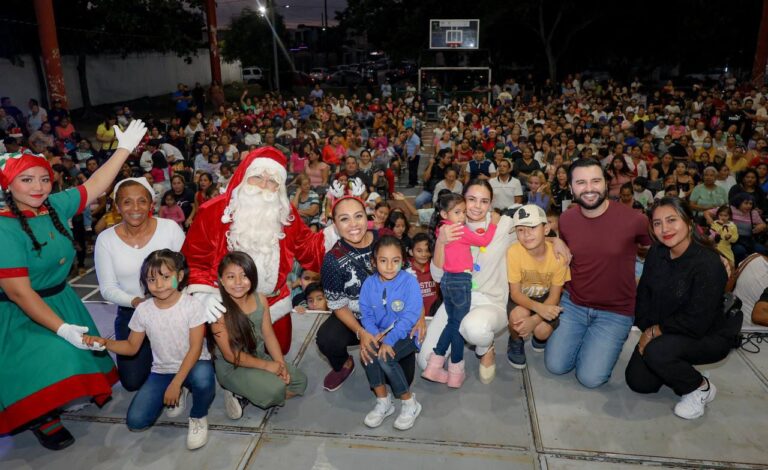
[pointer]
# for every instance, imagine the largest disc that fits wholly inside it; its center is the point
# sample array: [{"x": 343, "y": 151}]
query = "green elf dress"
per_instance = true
[{"x": 39, "y": 371}]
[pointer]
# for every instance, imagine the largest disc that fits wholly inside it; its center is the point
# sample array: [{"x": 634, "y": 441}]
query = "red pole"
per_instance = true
[
  {"x": 49, "y": 44},
  {"x": 213, "y": 42},
  {"x": 761, "y": 52}
]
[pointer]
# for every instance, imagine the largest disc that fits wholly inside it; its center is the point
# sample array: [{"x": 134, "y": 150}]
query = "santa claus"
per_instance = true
[{"x": 255, "y": 216}]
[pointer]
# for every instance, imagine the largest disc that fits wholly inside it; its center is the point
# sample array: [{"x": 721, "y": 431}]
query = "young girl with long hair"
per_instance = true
[
  {"x": 539, "y": 192},
  {"x": 726, "y": 233},
  {"x": 249, "y": 362},
  {"x": 174, "y": 322},
  {"x": 399, "y": 226}
]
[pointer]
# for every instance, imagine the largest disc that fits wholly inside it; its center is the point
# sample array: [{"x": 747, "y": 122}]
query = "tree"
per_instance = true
[
  {"x": 557, "y": 24},
  {"x": 107, "y": 27},
  {"x": 556, "y": 35},
  {"x": 249, "y": 40}
]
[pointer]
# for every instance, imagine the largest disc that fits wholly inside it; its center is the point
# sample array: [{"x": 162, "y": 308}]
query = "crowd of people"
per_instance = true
[{"x": 558, "y": 214}]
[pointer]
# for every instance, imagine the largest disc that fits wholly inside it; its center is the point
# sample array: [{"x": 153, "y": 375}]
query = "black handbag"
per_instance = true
[{"x": 733, "y": 318}]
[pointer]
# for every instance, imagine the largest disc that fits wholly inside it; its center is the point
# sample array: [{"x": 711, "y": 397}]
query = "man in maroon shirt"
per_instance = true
[{"x": 599, "y": 301}]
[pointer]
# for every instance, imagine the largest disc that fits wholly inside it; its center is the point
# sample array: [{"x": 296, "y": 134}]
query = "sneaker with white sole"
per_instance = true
[
  {"x": 516, "y": 353},
  {"x": 197, "y": 435},
  {"x": 538, "y": 345},
  {"x": 692, "y": 405},
  {"x": 380, "y": 412},
  {"x": 175, "y": 411},
  {"x": 408, "y": 413},
  {"x": 232, "y": 405}
]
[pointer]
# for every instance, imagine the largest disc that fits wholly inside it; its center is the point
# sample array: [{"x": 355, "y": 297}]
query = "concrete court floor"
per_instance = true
[{"x": 523, "y": 420}]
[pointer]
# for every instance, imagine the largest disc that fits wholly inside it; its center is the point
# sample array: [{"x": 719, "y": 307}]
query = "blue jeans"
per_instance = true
[
  {"x": 745, "y": 246},
  {"x": 133, "y": 370},
  {"x": 457, "y": 295},
  {"x": 589, "y": 340},
  {"x": 147, "y": 404},
  {"x": 423, "y": 198},
  {"x": 379, "y": 371}
]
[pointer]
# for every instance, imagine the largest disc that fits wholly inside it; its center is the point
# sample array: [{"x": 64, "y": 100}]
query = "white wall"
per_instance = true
[{"x": 114, "y": 79}]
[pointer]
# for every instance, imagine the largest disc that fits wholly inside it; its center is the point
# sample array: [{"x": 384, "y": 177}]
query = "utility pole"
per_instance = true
[
  {"x": 325, "y": 30},
  {"x": 213, "y": 40},
  {"x": 271, "y": 6},
  {"x": 49, "y": 45},
  {"x": 761, "y": 52}
]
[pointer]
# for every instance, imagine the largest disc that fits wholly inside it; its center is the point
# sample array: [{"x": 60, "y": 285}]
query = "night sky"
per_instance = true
[{"x": 301, "y": 11}]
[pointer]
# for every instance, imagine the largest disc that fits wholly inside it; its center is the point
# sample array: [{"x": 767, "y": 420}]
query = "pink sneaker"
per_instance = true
[
  {"x": 456, "y": 374},
  {"x": 434, "y": 370}
]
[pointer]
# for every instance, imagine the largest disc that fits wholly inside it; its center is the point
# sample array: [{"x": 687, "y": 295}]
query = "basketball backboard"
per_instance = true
[{"x": 454, "y": 34}]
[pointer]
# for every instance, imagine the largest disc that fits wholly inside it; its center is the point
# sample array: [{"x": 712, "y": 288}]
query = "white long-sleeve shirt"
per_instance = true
[{"x": 118, "y": 264}]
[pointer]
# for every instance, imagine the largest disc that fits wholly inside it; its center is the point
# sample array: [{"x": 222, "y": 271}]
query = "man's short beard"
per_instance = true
[
  {"x": 257, "y": 228},
  {"x": 596, "y": 204}
]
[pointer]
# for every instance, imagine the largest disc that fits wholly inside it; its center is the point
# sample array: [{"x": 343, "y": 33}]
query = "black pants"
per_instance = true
[
  {"x": 133, "y": 370},
  {"x": 413, "y": 170},
  {"x": 669, "y": 360},
  {"x": 333, "y": 339}
]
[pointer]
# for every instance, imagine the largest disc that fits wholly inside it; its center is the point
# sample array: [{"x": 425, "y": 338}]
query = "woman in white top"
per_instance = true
[
  {"x": 287, "y": 130},
  {"x": 450, "y": 182},
  {"x": 487, "y": 315},
  {"x": 119, "y": 252},
  {"x": 252, "y": 137}
]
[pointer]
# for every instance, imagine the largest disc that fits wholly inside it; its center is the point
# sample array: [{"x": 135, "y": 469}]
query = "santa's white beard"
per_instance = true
[{"x": 257, "y": 228}]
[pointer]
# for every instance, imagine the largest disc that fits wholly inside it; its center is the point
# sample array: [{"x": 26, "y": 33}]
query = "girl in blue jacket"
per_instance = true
[{"x": 390, "y": 305}]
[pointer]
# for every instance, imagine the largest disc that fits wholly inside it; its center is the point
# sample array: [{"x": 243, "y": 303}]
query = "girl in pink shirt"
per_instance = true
[{"x": 456, "y": 287}]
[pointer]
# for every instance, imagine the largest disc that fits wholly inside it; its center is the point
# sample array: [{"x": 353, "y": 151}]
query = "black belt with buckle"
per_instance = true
[{"x": 47, "y": 292}]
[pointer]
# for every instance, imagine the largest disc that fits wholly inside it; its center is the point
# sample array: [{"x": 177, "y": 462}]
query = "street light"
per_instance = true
[{"x": 263, "y": 10}]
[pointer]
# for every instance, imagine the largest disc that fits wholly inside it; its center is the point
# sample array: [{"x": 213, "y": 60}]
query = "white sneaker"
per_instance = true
[
  {"x": 408, "y": 414},
  {"x": 382, "y": 410},
  {"x": 197, "y": 435},
  {"x": 173, "y": 412},
  {"x": 232, "y": 405},
  {"x": 691, "y": 406}
]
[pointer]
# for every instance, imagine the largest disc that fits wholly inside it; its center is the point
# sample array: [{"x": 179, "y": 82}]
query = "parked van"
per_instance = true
[{"x": 253, "y": 75}]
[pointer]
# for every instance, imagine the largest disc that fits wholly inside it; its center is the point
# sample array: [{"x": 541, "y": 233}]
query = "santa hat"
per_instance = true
[
  {"x": 12, "y": 164},
  {"x": 263, "y": 158}
]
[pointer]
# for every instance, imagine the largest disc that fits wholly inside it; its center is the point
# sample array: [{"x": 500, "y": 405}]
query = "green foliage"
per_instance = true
[
  {"x": 598, "y": 34},
  {"x": 249, "y": 40},
  {"x": 107, "y": 26}
]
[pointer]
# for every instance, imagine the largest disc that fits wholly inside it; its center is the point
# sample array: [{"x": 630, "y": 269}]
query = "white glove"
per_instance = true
[
  {"x": 130, "y": 138},
  {"x": 73, "y": 334},
  {"x": 330, "y": 237},
  {"x": 213, "y": 306},
  {"x": 357, "y": 188}
]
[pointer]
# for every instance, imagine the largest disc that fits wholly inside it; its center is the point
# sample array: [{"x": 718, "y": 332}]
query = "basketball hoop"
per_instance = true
[{"x": 454, "y": 34}]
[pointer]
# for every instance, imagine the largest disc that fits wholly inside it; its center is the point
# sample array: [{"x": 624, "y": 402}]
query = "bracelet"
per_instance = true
[{"x": 357, "y": 333}]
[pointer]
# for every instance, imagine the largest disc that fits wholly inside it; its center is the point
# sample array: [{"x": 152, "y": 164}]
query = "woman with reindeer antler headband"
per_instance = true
[{"x": 345, "y": 268}]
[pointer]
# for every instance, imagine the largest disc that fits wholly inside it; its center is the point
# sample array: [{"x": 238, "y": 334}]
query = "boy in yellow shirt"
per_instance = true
[{"x": 536, "y": 280}]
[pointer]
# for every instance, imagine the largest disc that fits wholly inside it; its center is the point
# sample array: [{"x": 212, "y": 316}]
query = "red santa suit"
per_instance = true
[{"x": 206, "y": 244}]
